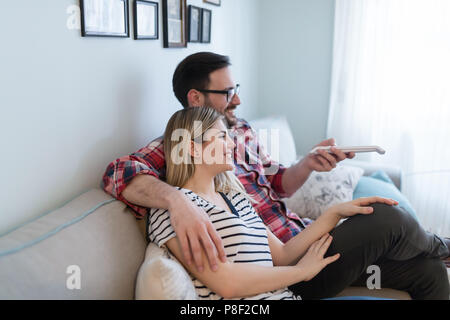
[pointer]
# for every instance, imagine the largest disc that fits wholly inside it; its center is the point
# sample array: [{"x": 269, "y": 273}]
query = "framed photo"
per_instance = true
[
  {"x": 195, "y": 24},
  {"x": 145, "y": 20},
  {"x": 206, "y": 25},
  {"x": 174, "y": 23},
  {"x": 104, "y": 18},
  {"x": 214, "y": 2}
]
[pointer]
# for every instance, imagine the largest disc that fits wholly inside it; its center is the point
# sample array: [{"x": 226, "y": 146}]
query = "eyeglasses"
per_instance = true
[{"x": 230, "y": 92}]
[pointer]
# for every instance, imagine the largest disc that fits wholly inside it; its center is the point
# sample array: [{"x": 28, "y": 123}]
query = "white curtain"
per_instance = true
[{"x": 391, "y": 87}]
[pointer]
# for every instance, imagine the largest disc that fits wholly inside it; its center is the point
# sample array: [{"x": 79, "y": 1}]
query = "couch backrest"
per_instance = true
[
  {"x": 93, "y": 241},
  {"x": 285, "y": 153}
]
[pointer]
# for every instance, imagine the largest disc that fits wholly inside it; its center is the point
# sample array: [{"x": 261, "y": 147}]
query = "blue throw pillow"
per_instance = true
[{"x": 379, "y": 184}]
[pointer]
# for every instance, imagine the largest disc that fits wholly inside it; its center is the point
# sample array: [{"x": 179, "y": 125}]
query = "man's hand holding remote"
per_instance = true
[{"x": 324, "y": 161}]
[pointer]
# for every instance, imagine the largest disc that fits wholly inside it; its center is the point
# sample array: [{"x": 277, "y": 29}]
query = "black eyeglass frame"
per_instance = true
[{"x": 230, "y": 92}]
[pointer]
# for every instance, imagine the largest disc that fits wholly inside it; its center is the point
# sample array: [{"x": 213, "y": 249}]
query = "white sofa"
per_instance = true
[{"x": 93, "y": 248}]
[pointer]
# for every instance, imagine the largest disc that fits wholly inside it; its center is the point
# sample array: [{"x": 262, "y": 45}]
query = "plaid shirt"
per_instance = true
[{"x": 261, "y": 177}]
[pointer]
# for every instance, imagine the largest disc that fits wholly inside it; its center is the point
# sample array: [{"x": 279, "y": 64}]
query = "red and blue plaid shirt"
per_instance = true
[{"x": 261, "y": 177}]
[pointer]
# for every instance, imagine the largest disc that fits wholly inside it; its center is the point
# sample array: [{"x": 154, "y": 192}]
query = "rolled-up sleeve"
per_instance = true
[{"x": 119, "y": 173}]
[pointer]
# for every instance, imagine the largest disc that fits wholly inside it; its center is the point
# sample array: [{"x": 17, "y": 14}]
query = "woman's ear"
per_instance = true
[
  {"x": 195, "y": 98},
  {"x": 194, "y": 150}
]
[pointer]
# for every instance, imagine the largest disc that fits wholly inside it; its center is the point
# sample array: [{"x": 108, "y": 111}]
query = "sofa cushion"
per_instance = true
[
  {"x": 379, "y": 184},
  {"x": 162, "y": 277},
  {"x": 93, "y": 238},
  {"x": 323, "y": 190}
]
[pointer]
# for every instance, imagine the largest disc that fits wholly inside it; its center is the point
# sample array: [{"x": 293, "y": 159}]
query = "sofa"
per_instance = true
[
  {"x": 101, "y": 238},
  {"x": 93, "y": 248}
]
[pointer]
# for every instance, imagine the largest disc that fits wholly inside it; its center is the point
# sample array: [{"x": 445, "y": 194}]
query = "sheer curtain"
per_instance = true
[{"x": 391, "y": 87}]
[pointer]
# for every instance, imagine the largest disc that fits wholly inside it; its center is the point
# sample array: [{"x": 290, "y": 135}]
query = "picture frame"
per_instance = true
[
  {"x": 194, "y": 24},
  {"x": 206, "y": 25},
  {"x": 146, "y": 20},
  {"x": 214, "y": 2},
  {"x": 104, "y": 18},
  {"x": 174, "y": 24}
]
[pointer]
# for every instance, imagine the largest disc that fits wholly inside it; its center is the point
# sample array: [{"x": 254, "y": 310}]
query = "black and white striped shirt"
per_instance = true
[{"x": 242, "y": 231}]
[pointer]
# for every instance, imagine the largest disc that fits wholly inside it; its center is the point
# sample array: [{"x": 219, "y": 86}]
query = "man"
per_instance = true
[{"x": 204, "y": 79}]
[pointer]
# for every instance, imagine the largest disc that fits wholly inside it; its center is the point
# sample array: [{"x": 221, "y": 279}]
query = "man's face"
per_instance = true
[{"x": 221, "y": 80}]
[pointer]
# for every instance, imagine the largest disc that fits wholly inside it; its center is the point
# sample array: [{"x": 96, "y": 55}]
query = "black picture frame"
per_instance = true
[
  {"x": 206, "y": 25},
  {"x": 155, "y": 18},
  {"x": 174, "y": 24},
  {"x": 88, "y": 30},
  {"x": 194, "y": 24},
  {"x": 214, "y": 2}
]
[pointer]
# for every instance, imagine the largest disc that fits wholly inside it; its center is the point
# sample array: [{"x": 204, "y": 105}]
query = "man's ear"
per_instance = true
[{"x": 195, "y": 98}]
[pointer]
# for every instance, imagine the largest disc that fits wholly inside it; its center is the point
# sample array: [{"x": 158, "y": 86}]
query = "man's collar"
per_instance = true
[{"x": 240, "y": 124}]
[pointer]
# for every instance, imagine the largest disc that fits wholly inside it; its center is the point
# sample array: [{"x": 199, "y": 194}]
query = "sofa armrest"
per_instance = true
[{"x": 394, "y": 172}]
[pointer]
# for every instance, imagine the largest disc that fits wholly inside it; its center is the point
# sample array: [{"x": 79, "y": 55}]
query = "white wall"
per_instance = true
[
  {"x": 70, "y": 105},
  {"x": 295, "y": 65}
]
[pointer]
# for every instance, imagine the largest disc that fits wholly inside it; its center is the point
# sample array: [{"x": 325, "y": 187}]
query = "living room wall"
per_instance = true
[
  {"x": 70, "y": 105},
  {"x": 296, "y": 53}
]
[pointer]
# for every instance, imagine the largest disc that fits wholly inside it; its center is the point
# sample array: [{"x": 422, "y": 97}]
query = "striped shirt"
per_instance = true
[{"x": 243, "y": 234}]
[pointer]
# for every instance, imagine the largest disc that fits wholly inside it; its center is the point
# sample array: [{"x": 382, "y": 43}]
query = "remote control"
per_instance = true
[{"x": 351, "y": 149}]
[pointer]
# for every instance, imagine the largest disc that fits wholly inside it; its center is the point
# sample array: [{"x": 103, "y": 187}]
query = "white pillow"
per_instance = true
[
  {"x": 162, "y": 277},
  {"x": 323, "y": 190},
  {"x": 286, "y": 152}
]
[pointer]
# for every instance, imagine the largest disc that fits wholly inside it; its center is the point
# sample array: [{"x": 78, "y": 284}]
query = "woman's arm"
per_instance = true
[
  {"x": 236, "y": 280},
  {"x": 289, "y": 253},
  {"x": 295, "y": 248}
]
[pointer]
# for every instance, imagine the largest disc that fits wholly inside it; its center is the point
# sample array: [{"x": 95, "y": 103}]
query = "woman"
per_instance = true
[{"x": 259, "y": 266}]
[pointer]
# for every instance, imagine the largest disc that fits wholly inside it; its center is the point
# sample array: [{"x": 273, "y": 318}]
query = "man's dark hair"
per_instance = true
[{"x": 193, "y": 73}]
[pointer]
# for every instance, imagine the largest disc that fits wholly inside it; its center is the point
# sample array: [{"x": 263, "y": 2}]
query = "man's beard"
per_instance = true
[{"x": 229, "y": 113}]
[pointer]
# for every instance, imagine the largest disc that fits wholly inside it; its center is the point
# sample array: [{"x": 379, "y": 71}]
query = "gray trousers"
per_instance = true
[{"x": 390, "y": 238}]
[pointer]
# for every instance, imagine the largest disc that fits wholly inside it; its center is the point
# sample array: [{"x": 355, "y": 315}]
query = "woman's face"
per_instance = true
[{"x": 217, "y": 150}]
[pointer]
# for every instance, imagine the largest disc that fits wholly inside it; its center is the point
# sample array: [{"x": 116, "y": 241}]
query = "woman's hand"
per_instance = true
[
  {"x": 359, "y": 206},
  {"x": 313, "y": 261}
]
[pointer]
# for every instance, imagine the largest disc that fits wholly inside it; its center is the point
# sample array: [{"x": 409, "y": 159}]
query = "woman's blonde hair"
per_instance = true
[{"x": 190, "y": 125}]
